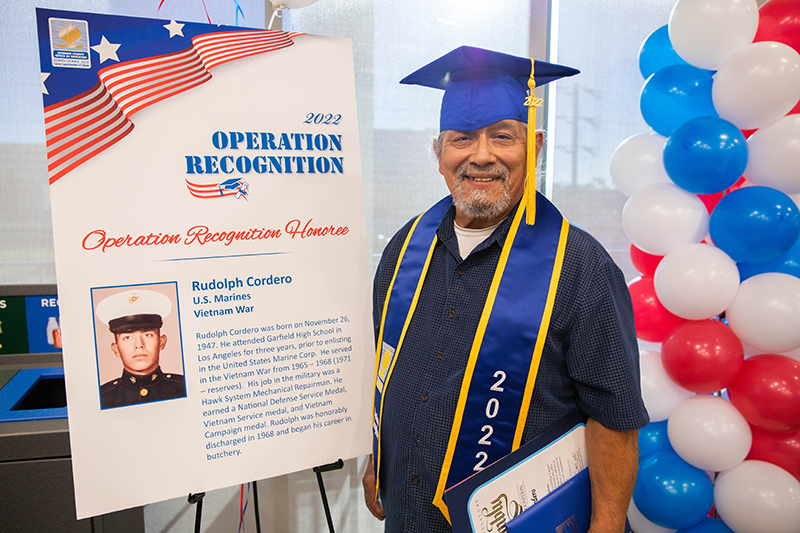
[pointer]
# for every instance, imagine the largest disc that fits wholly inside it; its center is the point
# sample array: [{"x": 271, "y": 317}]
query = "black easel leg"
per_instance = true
[
  {"x": 319, "y": 470},
  {"x": 325, "y": 502},
  {"x": 255, "y": 504},
  {"x": 198, "y": 515}
]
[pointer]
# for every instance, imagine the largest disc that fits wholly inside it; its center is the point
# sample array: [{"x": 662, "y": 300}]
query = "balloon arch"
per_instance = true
[{"x": 713, "y": 219}]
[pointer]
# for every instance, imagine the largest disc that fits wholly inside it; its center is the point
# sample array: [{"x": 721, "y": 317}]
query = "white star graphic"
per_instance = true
[
  {"x": 174, "y": 29},
  {"x": 106, "y": 50},
  {"x": 45, "y": 75}
]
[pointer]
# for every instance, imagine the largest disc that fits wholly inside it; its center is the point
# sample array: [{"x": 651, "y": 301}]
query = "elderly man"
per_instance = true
[
  {"x": 135, "y": 318},
  {"x": 495, "y": 317}
]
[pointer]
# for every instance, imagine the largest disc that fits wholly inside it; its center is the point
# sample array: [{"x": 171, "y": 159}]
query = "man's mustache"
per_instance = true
[{"x": 464, "y": 171}]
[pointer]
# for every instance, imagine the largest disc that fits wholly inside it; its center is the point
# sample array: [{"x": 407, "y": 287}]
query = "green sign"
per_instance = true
[{"x": 13, "y": 325}]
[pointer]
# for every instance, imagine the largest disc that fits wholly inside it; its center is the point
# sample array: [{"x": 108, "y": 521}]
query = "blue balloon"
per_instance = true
[
  {"x": 672, "y": 493},
  {"x": 708, "y": 525},
  {"x": 705, "y": 155},
  {"x": 657, "y": 52},
  {"x": 755, "y": 224},
  {"x": 675, "y": 94},
  {"x": 653, "y": 438},
  {"x": 788, "y": 263}
]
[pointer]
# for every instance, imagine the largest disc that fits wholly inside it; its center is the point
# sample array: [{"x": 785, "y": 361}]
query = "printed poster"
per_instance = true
[{"x": 210, "y": 245}]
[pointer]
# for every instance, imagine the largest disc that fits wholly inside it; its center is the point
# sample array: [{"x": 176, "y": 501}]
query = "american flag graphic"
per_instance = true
[
  {"x": 233, "y": 187},
  {"x": 80, "y": 126}
]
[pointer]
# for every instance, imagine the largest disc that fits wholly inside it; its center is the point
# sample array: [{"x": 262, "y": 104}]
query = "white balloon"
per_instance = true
[
  {"x": 640, "y": 524},
  {"x": 756, "y": 497},
  {"x": 757, "y": 85},
  {"x": 646, "y": 346},
  {"x": 774, "y": 155},
  {"x": 639, "y": 161},
  {"x": 766, "y": 312},
  {"x": 709, "y": 433},
  {"x": 660, "y": 394},
  {"x": 750, "y": 351},
  {"x": 696, "y": 281},
  {"x": 706, "y": 32},
  {"x": 661, "y": 217},
  {"x": 794, "y": 354}
]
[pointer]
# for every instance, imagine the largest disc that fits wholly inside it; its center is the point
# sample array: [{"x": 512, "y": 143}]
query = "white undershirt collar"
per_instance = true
[{"x": 469, "y": 238}]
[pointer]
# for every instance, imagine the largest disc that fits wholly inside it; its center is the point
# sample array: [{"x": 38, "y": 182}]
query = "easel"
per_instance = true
[{"x": 318, "y": 470}]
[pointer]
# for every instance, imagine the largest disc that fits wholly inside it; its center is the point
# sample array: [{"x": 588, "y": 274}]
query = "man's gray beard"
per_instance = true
[{"x": 476, "y": 204}]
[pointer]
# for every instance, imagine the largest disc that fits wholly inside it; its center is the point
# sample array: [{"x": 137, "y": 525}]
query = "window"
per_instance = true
[
  {"x": 598, "y": 109},
  {"x": 397, "y": 123}
]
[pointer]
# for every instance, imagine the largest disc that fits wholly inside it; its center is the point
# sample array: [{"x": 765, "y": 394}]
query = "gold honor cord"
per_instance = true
[
  {"x": 438, "y": 500},
  {"x": 540, "y": 339},
  {"x": 402, "y": 334},
  {"x": 530, "y": 179},
  {"x": 389, "y": 292},
  {"x": 380, "y": 337}
]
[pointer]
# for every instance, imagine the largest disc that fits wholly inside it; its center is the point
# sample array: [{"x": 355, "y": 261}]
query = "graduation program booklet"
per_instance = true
[{"x": 487, "y": 500}]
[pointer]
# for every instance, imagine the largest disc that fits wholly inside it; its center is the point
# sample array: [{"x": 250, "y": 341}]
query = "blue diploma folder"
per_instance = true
[
  {"x": 568, "y": 509},
  {"x": 458, "y": 497}
]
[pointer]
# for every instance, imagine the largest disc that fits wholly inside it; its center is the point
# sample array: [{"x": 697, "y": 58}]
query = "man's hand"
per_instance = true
[
  {"x": 613, "y": 463},
  {"x": 368, "y": 481}
]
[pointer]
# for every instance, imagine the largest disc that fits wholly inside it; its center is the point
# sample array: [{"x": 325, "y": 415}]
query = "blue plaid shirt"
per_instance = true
[{"x": 590, "y": 361}]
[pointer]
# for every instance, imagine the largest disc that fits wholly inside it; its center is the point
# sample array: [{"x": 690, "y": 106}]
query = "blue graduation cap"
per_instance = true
[{"x": 482, "y": 87}]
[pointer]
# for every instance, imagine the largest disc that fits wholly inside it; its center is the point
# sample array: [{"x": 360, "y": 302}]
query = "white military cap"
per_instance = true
[{"x": 134, "y": 309}]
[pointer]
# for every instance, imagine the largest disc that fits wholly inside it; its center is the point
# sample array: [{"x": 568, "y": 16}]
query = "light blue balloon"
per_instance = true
[
  {"x": 653, "y": 438},
  {"x": 708, "y": 525},
  {"x": 788, "y": 263},
  {"x": 755, "y": 224},
  {"x": 705, "y": 155},
  {"x": 675, "y": 94},
  {"x": 672, "y": 493},
  {"x": 657, "y": 52}
]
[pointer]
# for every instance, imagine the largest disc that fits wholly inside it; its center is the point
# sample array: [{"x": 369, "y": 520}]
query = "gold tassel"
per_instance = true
[{"x": 533, "y": 150}]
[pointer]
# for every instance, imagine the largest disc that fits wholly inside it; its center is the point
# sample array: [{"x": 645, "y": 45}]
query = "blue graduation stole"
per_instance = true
[{"x": 496, "y": 390}]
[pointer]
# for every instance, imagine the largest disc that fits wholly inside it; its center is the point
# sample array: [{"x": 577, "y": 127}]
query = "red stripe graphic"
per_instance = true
[
  {"x": 83, "y": 126},
  {"x": 199, "y": 190}
]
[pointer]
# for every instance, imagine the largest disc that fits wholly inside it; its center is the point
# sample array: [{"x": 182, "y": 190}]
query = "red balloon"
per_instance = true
[
  {"x": 653, "y": 321},
  {"x": 702, "y": 356},
  {"x": 767, "y": 392},
  {"x": 711, "y": 200},
  {"x": 779, "y": 448},
  {"x": 643, "y": 262},
  {"x": 779, "y": 20},
  {"x": 736, "y": 186}
]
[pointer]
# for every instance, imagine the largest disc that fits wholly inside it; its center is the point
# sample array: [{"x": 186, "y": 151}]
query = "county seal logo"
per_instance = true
[{"x": 69, "y": 43}]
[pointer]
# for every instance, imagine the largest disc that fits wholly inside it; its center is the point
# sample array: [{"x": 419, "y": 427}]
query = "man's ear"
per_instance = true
[
  {"x": 115, "y": 349},
  {"x": 539, "y": 141},
  {"x": 162, "y": 342},
  {"x": 437, "y": 150}
]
